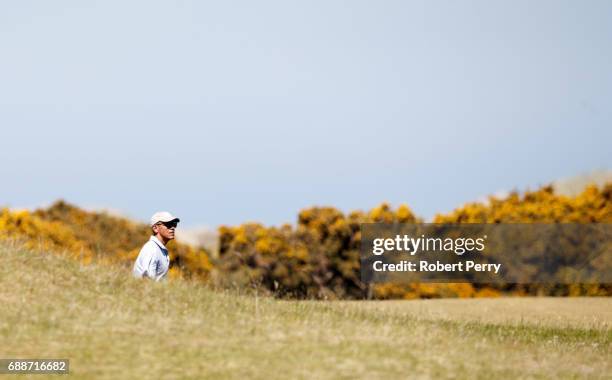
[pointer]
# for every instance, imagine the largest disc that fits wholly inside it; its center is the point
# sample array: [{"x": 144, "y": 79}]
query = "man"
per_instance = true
[{"x": 153, "y": 260}]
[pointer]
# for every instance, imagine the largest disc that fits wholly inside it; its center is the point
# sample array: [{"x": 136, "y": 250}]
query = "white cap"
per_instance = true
[{"x": 163, "y": 216}]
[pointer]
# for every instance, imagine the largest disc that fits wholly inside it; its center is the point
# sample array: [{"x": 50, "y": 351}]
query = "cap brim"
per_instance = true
[{"x": 165, "y": 221}]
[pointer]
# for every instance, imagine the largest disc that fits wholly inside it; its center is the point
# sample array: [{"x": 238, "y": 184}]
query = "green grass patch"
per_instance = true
[{"x": 112, "y": 326}]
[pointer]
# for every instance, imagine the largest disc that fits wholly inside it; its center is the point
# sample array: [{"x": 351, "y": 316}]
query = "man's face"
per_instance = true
[{"x": 166, "y": 229}]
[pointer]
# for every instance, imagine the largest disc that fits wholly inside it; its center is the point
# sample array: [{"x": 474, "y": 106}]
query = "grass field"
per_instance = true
[{"x": 113, "y": 327}]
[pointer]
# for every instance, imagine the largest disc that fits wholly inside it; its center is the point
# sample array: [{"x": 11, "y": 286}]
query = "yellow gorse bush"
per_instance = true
[
  {"x": 95, "y": 236},
  {"x": 36, "y": 233},
  {"x": 593, "y": 205},
  {"x": 317, "y": 258},
  {"x": 320, "y": 256}
]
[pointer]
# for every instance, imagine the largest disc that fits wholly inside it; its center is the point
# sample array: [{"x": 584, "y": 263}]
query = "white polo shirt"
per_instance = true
[{"x": 152, "y": 261}]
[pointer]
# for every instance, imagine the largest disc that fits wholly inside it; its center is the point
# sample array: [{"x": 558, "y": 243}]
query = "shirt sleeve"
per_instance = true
[
  {"x": 146, "y": 264},
  {"x": 152, "y": 266}
]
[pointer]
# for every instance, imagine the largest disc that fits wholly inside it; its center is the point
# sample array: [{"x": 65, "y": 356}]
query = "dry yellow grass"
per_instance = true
[
  {"x": 113, "y": 327},
  {"x": 577, "y": 312}
]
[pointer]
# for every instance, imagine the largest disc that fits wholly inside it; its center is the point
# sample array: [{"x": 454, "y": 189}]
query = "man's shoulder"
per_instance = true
[
  {"x": 149, "y": 246},
  {"x": 153, "y": 246}
]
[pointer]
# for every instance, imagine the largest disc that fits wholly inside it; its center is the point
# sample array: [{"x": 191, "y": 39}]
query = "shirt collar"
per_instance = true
[{"x": 156, "y": 240}]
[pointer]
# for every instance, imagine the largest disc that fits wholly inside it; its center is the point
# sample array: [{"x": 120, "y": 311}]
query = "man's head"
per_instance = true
[{"x": 163, "y": 225}]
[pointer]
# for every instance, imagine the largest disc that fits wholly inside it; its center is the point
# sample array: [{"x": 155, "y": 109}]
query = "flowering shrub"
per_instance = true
[
  {"x": 320, "y": 256},
  {"x": 43, "y": 235},
  {"x": 317, "y": 258},
  {"x": 95, "y": 236}
]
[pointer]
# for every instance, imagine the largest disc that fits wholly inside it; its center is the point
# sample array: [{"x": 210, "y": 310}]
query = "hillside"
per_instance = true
[
  {"x": 317, "y": 258},
  {"x": 111, "y": 326}
]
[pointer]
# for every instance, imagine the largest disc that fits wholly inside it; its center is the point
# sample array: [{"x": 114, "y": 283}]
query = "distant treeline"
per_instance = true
[{"x": 316, "y": 258}]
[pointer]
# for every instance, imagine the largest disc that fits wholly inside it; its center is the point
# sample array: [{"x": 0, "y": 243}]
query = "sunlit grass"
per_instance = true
[{"x": 111, "y": 326}]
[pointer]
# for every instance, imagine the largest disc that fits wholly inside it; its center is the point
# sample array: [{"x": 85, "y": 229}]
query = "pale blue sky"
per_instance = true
[{"x": 229, "y": 111}]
